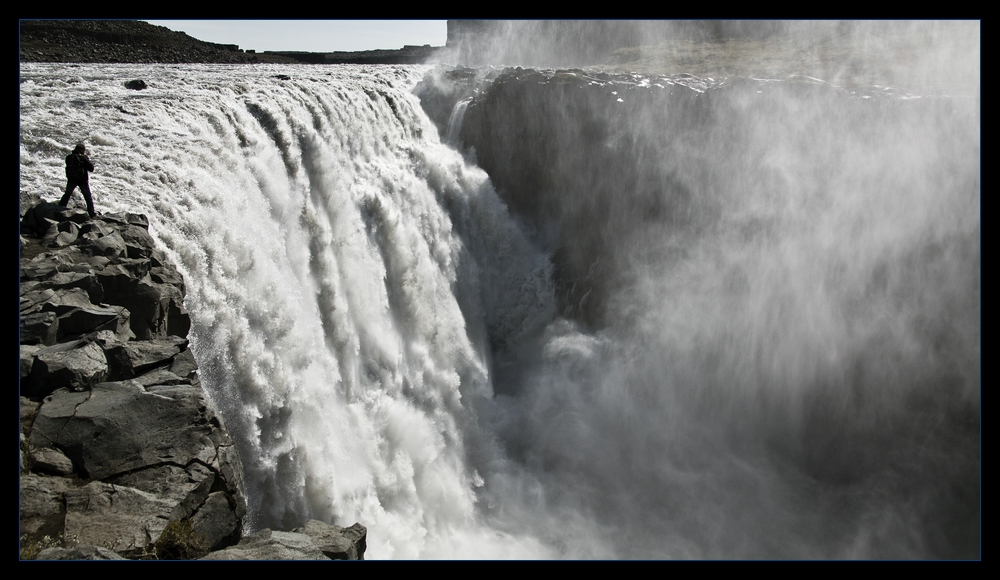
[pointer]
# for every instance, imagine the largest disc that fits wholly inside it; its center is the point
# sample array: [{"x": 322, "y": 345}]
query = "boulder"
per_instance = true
[
  {"x": 138, "y": 242},
  {"x": 184, "y": 365},
  {"x": 35, "y": 222},
  {"x": 39, "y": 328},
  {"x": 152, "y": 457},
  {"x": 150, "y": 304},
  {"x": 43, "y": 505},
  {"x": 271, "y": 545},
  {"x": 84, "y": 280},
  {"x": 60, "y": 301},
  {"x": 110, "y": 246},
  {"x": 185, "y": 488},
  {"x": 335, "y": 542},
  {"x": 61, "y": 235},
  {"x": 137, "y": 429},
  {"x": 161, "y": 377},
  {"x": 79, "y": 321},
  {"x": 147, "y": 355},
  {"x": 77, "y": 369},
  {"x": 215, "y": 522},
  {"x": 119, "y": 363},
  {"x": 49, "y": 461}
]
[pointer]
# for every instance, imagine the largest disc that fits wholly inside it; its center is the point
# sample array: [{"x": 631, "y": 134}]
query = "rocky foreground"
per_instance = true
[{"x": 122, "y": 455}]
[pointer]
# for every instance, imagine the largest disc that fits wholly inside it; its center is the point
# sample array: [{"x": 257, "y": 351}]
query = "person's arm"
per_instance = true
[{"x": 87, "y": 163}]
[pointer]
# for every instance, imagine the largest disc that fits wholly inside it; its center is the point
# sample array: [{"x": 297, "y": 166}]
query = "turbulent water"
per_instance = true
[{"x": 808, "y": 389}]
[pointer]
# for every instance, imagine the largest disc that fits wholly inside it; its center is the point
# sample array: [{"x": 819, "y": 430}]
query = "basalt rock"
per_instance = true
[
  {"x": 314, "y": 541},
  {"x": 335, "y": 542},
  {"x": 117, "y": 437}
]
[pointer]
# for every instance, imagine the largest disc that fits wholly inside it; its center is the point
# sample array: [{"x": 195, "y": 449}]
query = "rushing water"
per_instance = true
[{"x": 353, "y": 281}]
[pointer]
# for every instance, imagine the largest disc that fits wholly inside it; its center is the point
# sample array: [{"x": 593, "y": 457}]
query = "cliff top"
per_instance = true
[{"x": 123, "y": 41}]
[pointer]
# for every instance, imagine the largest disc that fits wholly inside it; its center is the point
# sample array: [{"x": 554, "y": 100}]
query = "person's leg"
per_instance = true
[
  {"x": 70, "y": 186},
  {"x": 85, "y": 189}
]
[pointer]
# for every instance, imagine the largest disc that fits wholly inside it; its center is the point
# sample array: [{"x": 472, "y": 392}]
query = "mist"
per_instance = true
[{"x": 770, "y": 290}]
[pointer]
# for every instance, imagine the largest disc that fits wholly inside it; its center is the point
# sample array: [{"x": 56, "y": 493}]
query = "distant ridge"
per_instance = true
[
  {"x": 135, "y": 41},
  {"x": 119, "y": 41},
  {"x": 407, "y": 55}
]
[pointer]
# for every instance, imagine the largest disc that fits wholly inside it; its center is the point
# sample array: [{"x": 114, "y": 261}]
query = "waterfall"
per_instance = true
[
  {"x": 789, "y": 362},
  {"x": 319, "y": 223},
  {"x": 455, "y": 121}
]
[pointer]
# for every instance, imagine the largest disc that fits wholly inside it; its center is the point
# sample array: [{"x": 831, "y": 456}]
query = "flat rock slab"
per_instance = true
[
  {"x": 77, "y": 369},
  {"x": 161, "y": 376},
  {"x": 82, "y": 552},
  {"x": 79, "y": 321},
  {"x": 121, "y": 427},
  {"x": 185, "y": 488},
  {"x": 146, "y": 355},
  {"x": 271, "y": 545},
  {"x": 123, "y": 518},
  {"x": 59, "y": 301}
]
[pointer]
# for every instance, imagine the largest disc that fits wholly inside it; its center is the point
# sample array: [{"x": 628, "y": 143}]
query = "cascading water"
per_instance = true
[
  {"x": 326, "y": 279},
  {"x": 383, "y": 338},
  {"x": 455, "y": 122}
]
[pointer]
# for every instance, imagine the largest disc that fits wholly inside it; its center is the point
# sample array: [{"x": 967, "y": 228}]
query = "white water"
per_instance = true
[
  {"x": 350, "y": 278},
  {"x": 324, "y": 278}
]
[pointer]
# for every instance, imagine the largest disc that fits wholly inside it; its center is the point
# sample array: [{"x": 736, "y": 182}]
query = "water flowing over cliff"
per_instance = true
[{"x": 633, "y": 341}]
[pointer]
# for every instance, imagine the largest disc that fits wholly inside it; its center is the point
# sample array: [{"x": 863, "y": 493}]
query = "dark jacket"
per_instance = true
[{"x": 78, "y": 168}]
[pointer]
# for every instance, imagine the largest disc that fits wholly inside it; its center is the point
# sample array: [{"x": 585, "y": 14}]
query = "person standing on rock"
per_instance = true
[{"x": 78, "y": 168}]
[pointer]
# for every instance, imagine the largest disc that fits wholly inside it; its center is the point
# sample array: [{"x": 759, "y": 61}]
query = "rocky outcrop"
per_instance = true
[
  {"x": 314, "y": 541},
  {"x": 117, "y": 437},
  {"x": 122, "y": 456}
]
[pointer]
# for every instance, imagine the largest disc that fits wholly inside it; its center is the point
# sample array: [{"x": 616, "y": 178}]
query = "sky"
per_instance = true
[{"x": 313, "y": 35}]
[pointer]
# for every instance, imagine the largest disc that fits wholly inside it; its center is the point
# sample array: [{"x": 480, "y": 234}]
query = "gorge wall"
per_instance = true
[{"x": 791, "y": 265}]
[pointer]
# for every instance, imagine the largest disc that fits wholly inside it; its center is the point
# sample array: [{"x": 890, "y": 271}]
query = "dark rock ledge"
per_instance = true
[{"x": 122, "y": 456}]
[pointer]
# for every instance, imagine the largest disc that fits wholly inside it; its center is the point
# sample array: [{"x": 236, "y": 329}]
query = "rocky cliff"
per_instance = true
[{"x": 122, "y": 455}]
